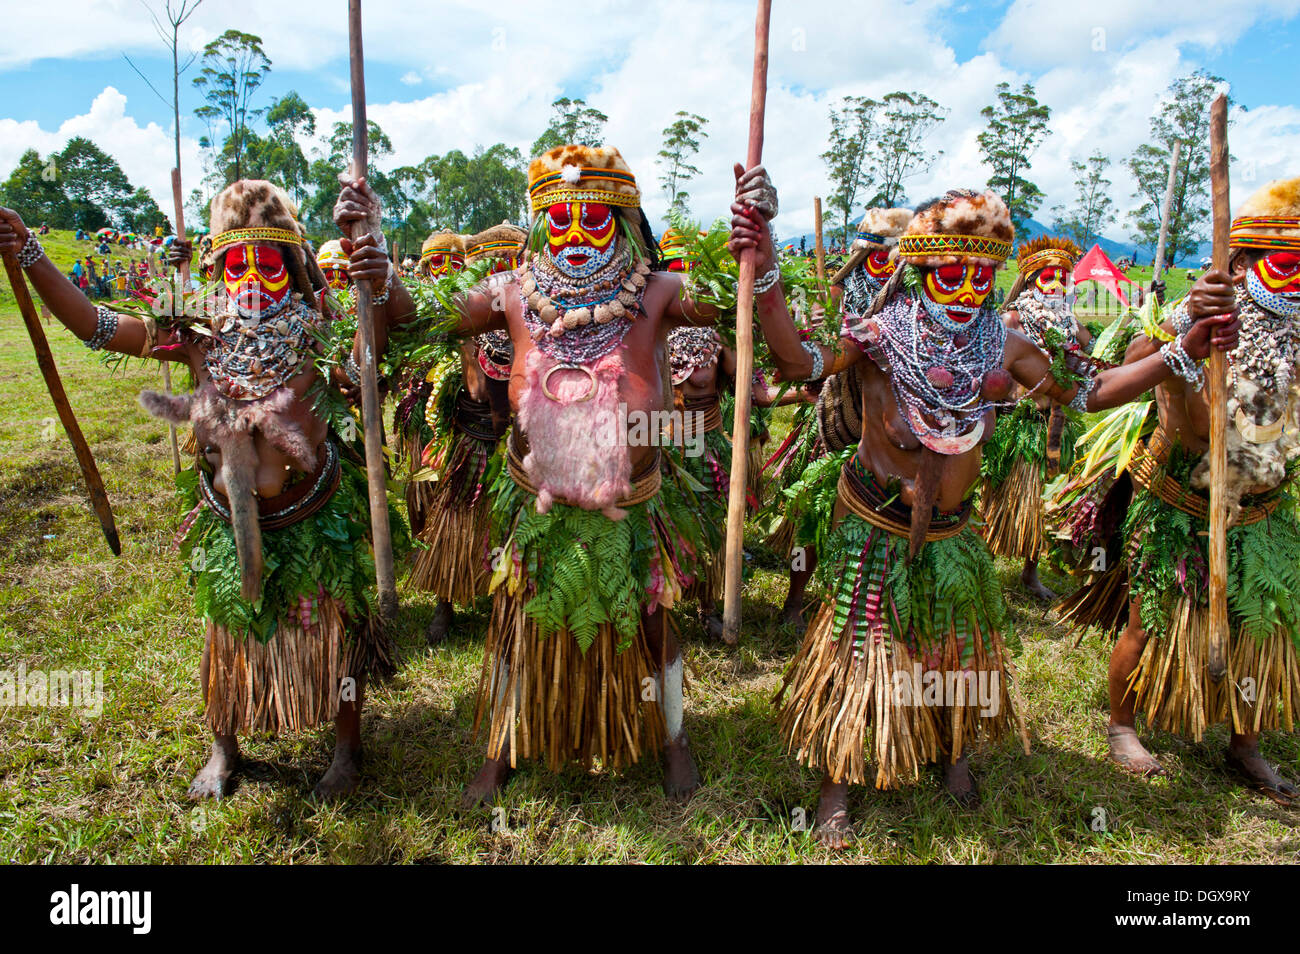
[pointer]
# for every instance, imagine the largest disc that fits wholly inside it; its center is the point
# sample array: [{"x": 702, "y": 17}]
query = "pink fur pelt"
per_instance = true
[{"x": 575, "y": 453}]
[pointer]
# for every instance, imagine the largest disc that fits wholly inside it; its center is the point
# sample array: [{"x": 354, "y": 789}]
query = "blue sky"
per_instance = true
[{"x": 456, "y": 74}]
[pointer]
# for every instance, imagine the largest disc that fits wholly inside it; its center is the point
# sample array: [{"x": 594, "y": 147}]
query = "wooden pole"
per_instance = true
[
  {"x": 744, "y": 350},
  {"x": 370, "y": 408},
  {"x": 50, "y": 372},
  {"x": 185, "y": 284},
  {"x": 1165, "y": 212},
  {"x": 821, "y": 244},
  {"x": 1217, "y": 654}
]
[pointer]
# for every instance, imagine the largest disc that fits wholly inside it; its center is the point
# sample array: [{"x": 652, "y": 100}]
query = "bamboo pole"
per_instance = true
[
  {"x": 50, "y": 372},
  {"x": 744, "y": 350},
  {"x": 1166, "y": 212},
  {"x": 821, "y": 244},
  {"x": 185, "y": 284},
  {"x": 370, "y": 408},
  {"x": 1217, "y": 655}
]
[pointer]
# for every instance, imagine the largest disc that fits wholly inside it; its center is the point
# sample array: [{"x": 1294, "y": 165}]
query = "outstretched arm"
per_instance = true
[{"x": 73, "y": 309}]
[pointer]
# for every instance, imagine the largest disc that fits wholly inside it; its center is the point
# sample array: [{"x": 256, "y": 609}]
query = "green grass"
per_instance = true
[{"x": 76, "y": 789}]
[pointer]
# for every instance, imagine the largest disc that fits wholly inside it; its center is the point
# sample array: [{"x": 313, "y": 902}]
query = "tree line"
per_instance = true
[{"x": 875, "y": 146}]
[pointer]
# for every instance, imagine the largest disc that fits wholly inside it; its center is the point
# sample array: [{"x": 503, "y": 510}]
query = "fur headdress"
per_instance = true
[
  {"x": 499, "y": 241},
  {"x": 582, "y": 174},
  {"x": 1047, "y": 251},
  {"x": 255, "y": 212},
  {"x": 1270, "y": 219},
  {"x": 963, "y": 226},
  {"x": 879, "y": 228},
  {"x": 331, "y": 255}
]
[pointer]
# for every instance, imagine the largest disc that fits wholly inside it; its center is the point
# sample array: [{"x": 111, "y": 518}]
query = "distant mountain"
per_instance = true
[{"x": 1114, "y": 249}]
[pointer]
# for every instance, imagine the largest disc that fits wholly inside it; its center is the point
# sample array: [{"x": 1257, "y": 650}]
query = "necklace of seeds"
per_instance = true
[
  {"x": 859, "y": 291},
  {"x": 936, "y": 373},
  {"x": 250, "y": 360},
  {"x": 1268, "y": 349},
  {"x": 573, "y": 343},
  {"x": 1038, "y": 313},
  {"x": 691, "y": 347}
]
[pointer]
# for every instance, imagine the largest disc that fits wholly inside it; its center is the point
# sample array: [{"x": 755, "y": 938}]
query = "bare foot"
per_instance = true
[
  {"x": 681, "y": 777},
  {"x": 1246, "y": 761},
  {"x": 712, "y": 623},
  {"x": 1129, "y": 754},
  {"x": 342, "y": 777},
  {"x": 1030, "y": 581},
  {"x": 960, "y": 784},
  {"x": 213, "y": 780},
  {"x": 792, "y": 615},
  {"x": 441, "y": 624},
  {"x": 833, "y": 829},
  {"x": 489, "y": 780}
]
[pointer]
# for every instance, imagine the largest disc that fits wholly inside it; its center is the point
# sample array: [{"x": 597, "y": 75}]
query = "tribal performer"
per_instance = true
[
  {"x": 905, "y": 662},
  {"x": 1035, "y": 441},
  {"x": 333, "y": 262},
  {"x": 599, "y": 530},
  {"x": 829, "y": 424},
  {"x": 1159, "y": 665},
  {"x": 465, "y": 452},
  {"x": 276, "y": 521}
]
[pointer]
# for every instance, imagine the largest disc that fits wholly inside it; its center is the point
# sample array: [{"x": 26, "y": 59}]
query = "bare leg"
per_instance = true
[
  {"x": 833, "y": 828},
  {"x": 213, "y": 779},
  {"x": 441, "y": 624},
  {"x": 709, "y": 617},
  {"x": 1030, "y": 581},
  {"x": 344, "y": 773},
  {"x": 792, "y": 611},
  {"x": 681, "y": 777},
  {"x": 1125, "y": 749},
  {"x": 960, "y": 783},
  {"x": 495, "y": 772},
  {"x": 1244, "y": 758}
]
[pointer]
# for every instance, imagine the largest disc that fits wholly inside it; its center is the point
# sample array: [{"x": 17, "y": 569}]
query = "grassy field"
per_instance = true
[{"x": 78, "y": 789}]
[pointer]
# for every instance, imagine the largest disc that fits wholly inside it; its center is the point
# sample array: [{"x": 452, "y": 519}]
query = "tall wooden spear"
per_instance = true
[
  {"x": 1166, "y": 213},
  {"x": 744, "y": 350},
  {"x": 50, "y": 372},
  {"x": 370, "y": 407},
  {"x": 1217, "y": 650},
  {"x": 821, "y": 243}
]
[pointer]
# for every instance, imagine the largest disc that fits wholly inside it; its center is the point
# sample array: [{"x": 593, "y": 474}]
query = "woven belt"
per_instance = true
[
  {"x": 866, "y": 502},
  {"x": 645, "y": 486},
  {"x": 700, "y": 416},
  {"x": 1148, "y": 471},
  {"x": 474, "y": 419},
  {"x": 283, "y": 510}
]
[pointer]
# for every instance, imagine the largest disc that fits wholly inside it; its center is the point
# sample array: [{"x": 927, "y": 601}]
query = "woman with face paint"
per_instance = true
[
  {"x": 457, "y": 465},
  {"x": 276, "y": 521},
  {"x": 1158, "y": 667},
  {"x": 1035, "y": 440},
  {"x": 905, "y": 664},
  {"x": 598, "y": 531}
]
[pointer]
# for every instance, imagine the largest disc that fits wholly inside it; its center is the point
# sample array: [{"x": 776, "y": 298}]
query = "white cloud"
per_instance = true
[{"x": 412, "y": 78}]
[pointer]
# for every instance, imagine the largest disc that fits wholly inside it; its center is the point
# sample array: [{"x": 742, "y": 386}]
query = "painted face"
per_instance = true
[
  {"x": 1050, "y": 281},
  {"x": 336, "y": 277},
  {"x": 256, "y": 279},
  {"x": 879, "y": 265},
  {"x": 1274, "y": 283},
  {"x": 443, "y": 263},
  {"x": 503, "y": 265},
  {"x": 581, "y": 237},
  {"x": 679, "y": 265},
  {"x": 958, "y": 291}
]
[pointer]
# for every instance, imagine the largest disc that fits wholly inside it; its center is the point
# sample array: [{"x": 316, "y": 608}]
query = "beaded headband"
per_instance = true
[
  {"x": 1243, "y": 235},
  {"x": 590, "y": 191},
  {"x": 874, "y": 238},
  {"x": 254, "y": 235},
  {"x": 1048, "y": 256},
  {"x": 439, "y": 250},
  {"x": 961, "y": 246},
  {"x": 485, "y": 248}
]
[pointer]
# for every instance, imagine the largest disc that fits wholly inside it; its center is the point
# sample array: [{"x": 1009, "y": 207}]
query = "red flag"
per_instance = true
[{"x": 1096, "y": 267}]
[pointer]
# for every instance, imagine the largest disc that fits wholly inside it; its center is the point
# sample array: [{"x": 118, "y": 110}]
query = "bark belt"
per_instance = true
[
  {"x": 1148, "y": 471},
  {"x": 294, "y": 505},
  {"x": 474, "y": 419},
  {"x": 700, "y": 415},
  {"x": 863, "y": 499}
]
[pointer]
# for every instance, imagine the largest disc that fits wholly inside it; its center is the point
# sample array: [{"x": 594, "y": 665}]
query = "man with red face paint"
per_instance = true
[
  {"x": 1035, "y": 441},
  {"x": 458, "y": 464},
  {"x": 1158, "y": 667},
  {"x": 905, "y": 663},
  {"x": 276, "y": 529},
  {"x": 597, "y": 529},
  {"x": 333, "y": 265}
]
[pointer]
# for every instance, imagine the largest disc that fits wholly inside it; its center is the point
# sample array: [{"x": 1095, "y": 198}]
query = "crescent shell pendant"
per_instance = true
[{"x": 591, "y": 376}]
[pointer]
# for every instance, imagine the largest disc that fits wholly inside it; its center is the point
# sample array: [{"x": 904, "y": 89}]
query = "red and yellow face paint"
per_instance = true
[
  {"x": 958, "y": 290},
  {"x": 581, "y": 235},
  {"x": 1050, "y": 280},
  {"x": 336, "y": 277},
  {"x": 256, "y": 278},
  {"x": 879, "y": 265},
  {"x": 1279, "y": 272},
  {"x": 442, "y": 263}
]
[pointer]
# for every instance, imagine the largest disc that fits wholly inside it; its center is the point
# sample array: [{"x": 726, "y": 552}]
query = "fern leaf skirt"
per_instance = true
[
  {"x": 278, "y": 665},
  {"x": 904, "y": 664}
]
